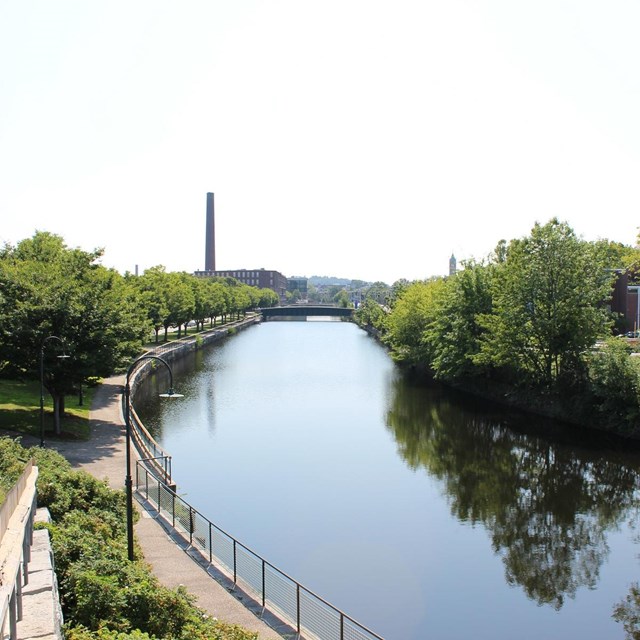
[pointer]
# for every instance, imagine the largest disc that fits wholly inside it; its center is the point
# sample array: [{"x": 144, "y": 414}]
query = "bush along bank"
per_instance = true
[{"x": 103, "y": 595}]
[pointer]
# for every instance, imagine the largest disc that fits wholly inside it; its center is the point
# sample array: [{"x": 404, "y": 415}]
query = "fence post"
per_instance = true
[
  {"x": 264, "y": 590},
  {"x": 173, "y": 510},
  {"x": 298, "y": 607},
  {"x": 210, "y": 545},
  {"x": 18, "y": 587},
  {"x": 26, "y": 554},
  {"x": 341, "y": 626},
  {"x": 235, "y": 573},
  {"x": 13, "y": 623}
]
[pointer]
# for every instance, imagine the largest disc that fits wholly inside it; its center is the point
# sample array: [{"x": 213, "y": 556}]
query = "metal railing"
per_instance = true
[
  {"x": 16, "y": 534},
  {"x": 311, "y": 616},
  {"x": 154, "y": 455}
]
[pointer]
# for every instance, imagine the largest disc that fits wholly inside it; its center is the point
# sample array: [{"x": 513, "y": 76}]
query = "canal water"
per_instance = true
[{"x": 421, "y": 513}]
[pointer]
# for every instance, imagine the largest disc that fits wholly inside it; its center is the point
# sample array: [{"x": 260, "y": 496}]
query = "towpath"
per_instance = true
[{"x": 103, "y": 456}]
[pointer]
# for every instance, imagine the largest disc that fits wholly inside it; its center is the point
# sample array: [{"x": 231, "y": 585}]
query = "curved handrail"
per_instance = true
[{"x": 310, "y": 615}]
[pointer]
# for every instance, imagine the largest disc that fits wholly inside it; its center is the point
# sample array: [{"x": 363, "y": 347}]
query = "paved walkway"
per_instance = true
[{"x": 103, "y": 456}]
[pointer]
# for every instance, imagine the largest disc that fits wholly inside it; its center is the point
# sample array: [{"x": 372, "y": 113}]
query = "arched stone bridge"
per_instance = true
[{"x": 300, "y": 310}]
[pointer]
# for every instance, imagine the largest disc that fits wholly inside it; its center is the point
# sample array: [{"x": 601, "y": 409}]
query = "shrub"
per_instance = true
[
  {"x": 615, "y": 384},
  {"x": 104, "y": 596}
]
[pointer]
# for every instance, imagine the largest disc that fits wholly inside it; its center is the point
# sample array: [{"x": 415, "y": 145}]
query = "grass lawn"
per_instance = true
[
  {"x": 172, "y": 334},
  {"x": 20, "y": 411}
]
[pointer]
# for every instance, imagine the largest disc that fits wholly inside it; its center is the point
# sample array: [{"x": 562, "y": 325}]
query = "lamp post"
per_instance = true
[
  {"x": 42, "y": 346},
  {"x": 127, "y": 418}
]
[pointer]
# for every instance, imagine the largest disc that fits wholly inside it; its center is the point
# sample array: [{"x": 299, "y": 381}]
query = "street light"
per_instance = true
[
  {"x": 44, "y": 342},
  {"x": 127, "y": 418}
]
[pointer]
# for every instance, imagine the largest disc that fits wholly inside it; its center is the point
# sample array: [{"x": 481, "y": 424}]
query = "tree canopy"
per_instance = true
[{"x": 99, "y": 318}]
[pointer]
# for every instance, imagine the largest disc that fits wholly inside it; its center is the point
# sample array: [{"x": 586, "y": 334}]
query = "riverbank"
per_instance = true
[{"x": 576, "y": 410}]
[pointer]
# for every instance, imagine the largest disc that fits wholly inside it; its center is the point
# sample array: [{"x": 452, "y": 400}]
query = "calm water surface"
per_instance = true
[{"x": 419, "y": 513}]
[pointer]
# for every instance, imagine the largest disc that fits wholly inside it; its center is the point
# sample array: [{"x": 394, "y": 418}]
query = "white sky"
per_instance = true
[{"x": 355, "y": 138}]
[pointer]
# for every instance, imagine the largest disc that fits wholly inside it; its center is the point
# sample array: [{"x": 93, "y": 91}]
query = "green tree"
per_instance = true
[
  {"x": 51, "y": 290},
  {"x": 268, "y": 298},
  {"x": 180, "y": 301},
  {"x": 411, "y": 316},
  {"x": 202, "y": 307},
  {"x": 397, "y": 289},
  {"x": 371, "y": 314},
  {"x": 341, "y": 299},
  {"x": 151, "y": 286},
  {"x": 455, "y": 334},
  {"x": 380, "y": 292},
  {"x": 293, "y": 296},
  {"x": 548, "y": 307},
  {"x": 218, "y": 300},
  {"x": 239, "y": 299}
]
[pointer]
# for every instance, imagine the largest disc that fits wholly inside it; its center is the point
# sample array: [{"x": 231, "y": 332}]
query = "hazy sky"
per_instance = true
[{"x": 354, "y": 138}]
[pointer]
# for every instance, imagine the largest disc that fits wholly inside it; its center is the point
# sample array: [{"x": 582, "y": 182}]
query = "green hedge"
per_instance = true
[{"x": 103, "y": 595}]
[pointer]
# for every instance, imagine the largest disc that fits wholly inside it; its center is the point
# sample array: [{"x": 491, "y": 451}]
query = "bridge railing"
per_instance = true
[
  {"x": 307, "y": 310},
  {"x": 309, "y": 615}
]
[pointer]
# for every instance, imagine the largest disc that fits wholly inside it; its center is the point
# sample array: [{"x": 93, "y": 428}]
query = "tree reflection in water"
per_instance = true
[{"x": 546, "y": 503}]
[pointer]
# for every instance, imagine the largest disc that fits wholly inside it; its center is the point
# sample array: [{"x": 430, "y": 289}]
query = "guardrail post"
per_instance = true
[
  {"x": 159, "y": 509},
  {"x": 264, "y": 590},
  {"x": 173, "y": 510},
  {"x": 235, "y": 572},
  {"x": 342, "y": 626},
  {"x": 19, "y": 579},
  {"x": 191, "y": 525},
  {"x": 13, "y": 623},
  {"x": 26, "y": 554},
  {"x": 298, "y": 607}
]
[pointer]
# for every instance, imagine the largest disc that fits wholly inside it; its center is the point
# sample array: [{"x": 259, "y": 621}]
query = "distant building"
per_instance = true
[
  {"x": 625, "y": 302},
  {"x": 632, "y": 314},
  {"x": 261, "y": 278},
  {"x": 298, "y": 284},
  {"x": 453, "y": 265}
]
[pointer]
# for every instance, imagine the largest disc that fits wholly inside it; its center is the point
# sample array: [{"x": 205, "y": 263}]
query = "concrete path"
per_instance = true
[{"x": 103, "y": 456}]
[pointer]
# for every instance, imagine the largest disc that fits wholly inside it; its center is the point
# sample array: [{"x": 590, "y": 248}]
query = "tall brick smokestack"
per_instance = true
[{"x": 210, "y": 238}]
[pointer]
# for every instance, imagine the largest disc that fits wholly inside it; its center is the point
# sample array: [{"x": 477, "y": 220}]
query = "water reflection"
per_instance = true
[{"x": 546, "y": 505}]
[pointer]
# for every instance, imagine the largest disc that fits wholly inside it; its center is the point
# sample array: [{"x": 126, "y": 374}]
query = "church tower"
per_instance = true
[{"x": 452, "y": 265}]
